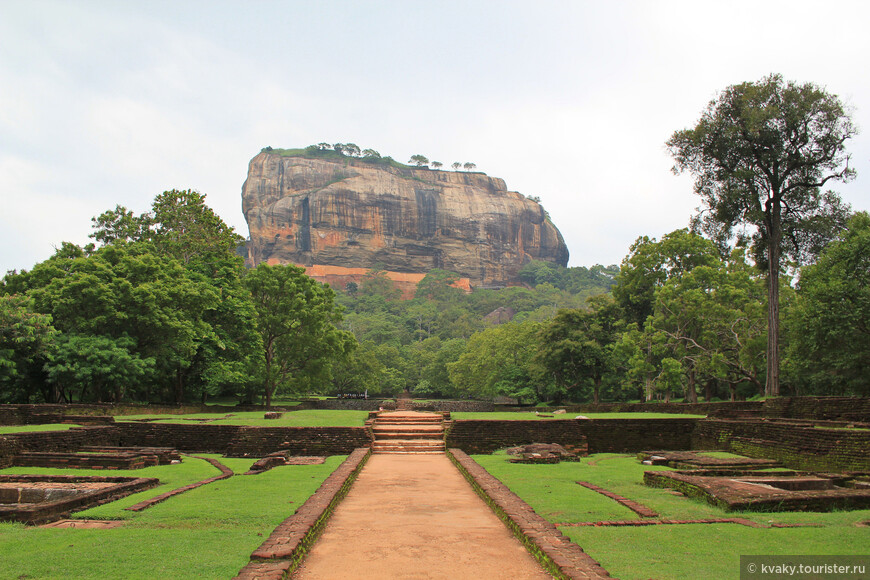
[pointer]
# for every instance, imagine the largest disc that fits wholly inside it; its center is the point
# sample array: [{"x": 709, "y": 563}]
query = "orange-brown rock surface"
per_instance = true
[{"x": 348, "y": 214}]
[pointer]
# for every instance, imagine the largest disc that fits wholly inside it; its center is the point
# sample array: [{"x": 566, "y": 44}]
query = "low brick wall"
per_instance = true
[
  {"x": 453, "y": 406},
  {"x": 823, "y": 408},
  {"x": 652, "y": 407},
  {"x": 85, "y": 460},
  {"x": 241, "y": 441},
  {"x": 193, "y": 437},
  {"x": 601, "y": 435},
  {"x": 64, "y": 441},
  {"x": 58, "y": 413},
  {"x": 633, "y": 435},
  {"x": 9, "y": 448},
  {"x": 260, "y": 441},
  {"x": 488, "y": 436},
  {"x": 796, "y": 447},
  {"x": 346, "y": 404}
]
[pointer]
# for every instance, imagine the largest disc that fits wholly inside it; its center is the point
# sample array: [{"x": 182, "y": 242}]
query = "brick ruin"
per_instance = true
[
  {"x": 774, "y": 491},
  {"x": 817, "y": 434},
  {"x": 37, "y": 499}
]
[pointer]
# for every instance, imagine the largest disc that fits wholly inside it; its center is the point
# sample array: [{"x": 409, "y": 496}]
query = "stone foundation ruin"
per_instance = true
[
  {"x": 771, "y": 491},
  {"x": 38, "y": 499},
  {"x": 700, "y": 460}
]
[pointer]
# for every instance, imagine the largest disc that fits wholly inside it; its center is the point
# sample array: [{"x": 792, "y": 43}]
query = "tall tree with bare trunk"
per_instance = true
[{"x": 760, "y": 155}]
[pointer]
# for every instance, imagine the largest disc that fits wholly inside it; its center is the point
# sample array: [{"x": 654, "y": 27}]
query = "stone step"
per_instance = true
[
  {"x": 388, "y": 435},
  {"x": 407, "y": 449},
  {"x": 410, "y": 428},
  {"x": 406, "y": 443},
  {"x": 409, "y": 452},
  {"x": 408, "y": 421}
]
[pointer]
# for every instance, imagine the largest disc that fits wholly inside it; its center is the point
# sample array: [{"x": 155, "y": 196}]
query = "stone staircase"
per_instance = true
[{"x": 408, "y": 432}]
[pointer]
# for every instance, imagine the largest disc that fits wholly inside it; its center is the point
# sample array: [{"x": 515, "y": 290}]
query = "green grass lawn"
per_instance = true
[
  {"x": 305, "y": 418},
  {"x": 667, "y": 551},
  {"x": 208, "y": 532},
  {"x": 31, "y": 428},
  {"x": 530, "y": 416}
]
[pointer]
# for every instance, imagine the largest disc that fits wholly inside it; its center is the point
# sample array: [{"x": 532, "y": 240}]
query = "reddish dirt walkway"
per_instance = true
[{"x": 414, "y": 517}]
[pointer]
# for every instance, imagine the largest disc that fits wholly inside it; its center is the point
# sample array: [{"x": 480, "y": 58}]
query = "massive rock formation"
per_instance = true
[{"x": 346, "y": 214}]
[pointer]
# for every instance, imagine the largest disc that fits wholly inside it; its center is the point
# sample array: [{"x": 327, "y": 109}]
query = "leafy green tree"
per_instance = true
[
  {"x": 127, "y": 290},
  {"x": 359, "y": 372},
  {"x": 380, "y": 327},
  {"x": 422, "y": 317},
  {"x": 711, "y": 320},
  {"x": 760, "y": 154},
  {"x": 640, "y": 351},
  {"x": 456, "y": 165},
  {"x": 120, "y": 225},
  {"x": 830, "y": 324},
  {"x": 577, "y": 345},
  {"x": 184, "y": 227},
  {"x": 98, "y": 367},
  {"x": 651, "y": 263},
  {"x": 435, "y": 371},
  {"x": 180, "y": 225},
  {"x": 419, "y": 160},
  {"x": 437, "y": 165},
  {"x": 438, "y": 286},
  {"x": 378, "y": 290},
  {"x": 499, "y": 361},
  {"x": 468, "y": 166},
  {"x": 24, "y": 337},
  {"x": 228, "y": 356},
  {"x": 297, "y": 318},
  {"x": 370, "y": 154}
]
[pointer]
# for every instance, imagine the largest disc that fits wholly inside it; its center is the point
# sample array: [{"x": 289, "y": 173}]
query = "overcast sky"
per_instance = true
[{"x": 112, "y": 102}]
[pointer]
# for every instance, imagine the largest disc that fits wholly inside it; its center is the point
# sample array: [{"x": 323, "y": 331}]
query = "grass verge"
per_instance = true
[
  {"x": 305, "y": 418},
  {"x": 6, "y": 429},
  {"x": 666, "y": 551},
  {"x": 208, "y": 532},
  {"x": 530, "y": 416}
]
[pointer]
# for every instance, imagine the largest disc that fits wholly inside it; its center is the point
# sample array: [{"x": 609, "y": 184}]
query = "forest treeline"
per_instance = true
[
  {"x": 773, "y": 299},
  {"x": 161, "y": 309}
]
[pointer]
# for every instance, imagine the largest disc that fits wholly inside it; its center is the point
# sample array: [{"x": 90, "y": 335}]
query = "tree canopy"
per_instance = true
[
  {"x": 760, "y": 155},
  {"x": 830, "y": 324}
]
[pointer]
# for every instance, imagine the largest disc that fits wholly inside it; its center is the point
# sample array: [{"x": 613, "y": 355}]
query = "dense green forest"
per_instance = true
[
  {"x": 774, "y": 298},
  {"x": 161, "y": 308}
]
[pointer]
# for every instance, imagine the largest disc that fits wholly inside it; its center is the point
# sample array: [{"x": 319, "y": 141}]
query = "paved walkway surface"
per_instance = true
[{"x": 414, "y": 517}]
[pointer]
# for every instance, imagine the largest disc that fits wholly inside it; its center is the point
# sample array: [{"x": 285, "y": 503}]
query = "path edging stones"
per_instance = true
[
  {"x": 285, "y": 547},
  {"x": 561, "y": 557}
]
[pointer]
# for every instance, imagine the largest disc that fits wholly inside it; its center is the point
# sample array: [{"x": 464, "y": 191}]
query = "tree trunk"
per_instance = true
[
  {"x": 733, "y": 389},
  {"x": 774, "y": 240},
  {"x": 267, "y": 384},
  {"x": 179, "y": 387},
  {"x": 596, "y": 391},
  {"x": 648, "y": 388},
  {"x": 693, "y": 393},
  {"x": 708, "y": 395}
]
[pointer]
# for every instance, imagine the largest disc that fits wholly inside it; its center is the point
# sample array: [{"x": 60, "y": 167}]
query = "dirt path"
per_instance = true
[{"x": 414, "y": 517}]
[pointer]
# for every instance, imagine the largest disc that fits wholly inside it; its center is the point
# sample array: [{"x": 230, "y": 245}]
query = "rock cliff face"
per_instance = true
[{"x": 347, "y": 213}]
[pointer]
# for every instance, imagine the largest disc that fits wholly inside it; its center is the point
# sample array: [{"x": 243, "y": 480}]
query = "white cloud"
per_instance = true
[{"x": 105, "y": 103}]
